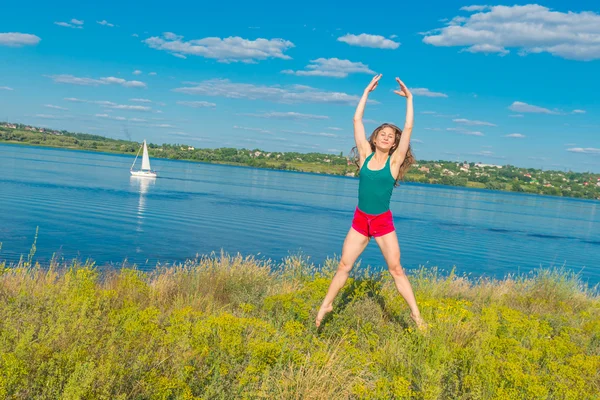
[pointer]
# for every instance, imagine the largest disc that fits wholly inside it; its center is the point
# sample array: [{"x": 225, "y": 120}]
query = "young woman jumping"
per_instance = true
[{"x": 382, "y": 160}]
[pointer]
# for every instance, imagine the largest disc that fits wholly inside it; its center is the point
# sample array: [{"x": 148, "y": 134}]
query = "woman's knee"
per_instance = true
[
  {"x": 344, "y": 266},
  {"x": 396, "y": 270}
]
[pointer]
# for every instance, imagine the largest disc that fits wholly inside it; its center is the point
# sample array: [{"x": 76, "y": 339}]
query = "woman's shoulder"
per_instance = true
[{"x": 366, "y": 160}]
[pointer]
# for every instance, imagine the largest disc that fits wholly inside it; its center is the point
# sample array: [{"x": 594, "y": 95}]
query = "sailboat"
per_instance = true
[{"x": 146, "y": 171}]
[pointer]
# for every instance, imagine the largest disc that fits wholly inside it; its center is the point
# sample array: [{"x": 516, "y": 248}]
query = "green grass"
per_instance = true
[{"x": 228, "y": 327}]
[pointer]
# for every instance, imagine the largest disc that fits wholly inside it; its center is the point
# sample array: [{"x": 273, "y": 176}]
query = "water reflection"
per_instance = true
[{"x": 142, "y": 185}]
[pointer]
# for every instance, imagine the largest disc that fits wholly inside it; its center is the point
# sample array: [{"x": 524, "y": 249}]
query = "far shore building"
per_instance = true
[{"x": 482, "y": 165}]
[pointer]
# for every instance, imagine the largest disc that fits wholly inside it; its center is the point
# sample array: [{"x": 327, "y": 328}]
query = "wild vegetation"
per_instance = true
[{"x": 226, "y": 326}]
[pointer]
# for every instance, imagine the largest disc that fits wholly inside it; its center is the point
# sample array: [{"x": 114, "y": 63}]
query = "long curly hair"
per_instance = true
[{"x": 408, "y": 160}]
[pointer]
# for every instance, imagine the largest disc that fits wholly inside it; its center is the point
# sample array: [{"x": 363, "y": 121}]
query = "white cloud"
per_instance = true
[
  {"x": 111, "y": 117},
  {"x": 123, "y": 82},
  {"x": 465, "y": 132},
  {"x": 50, "y": 116},
  {"x": 324, "y": 134},
  {"x": 110, "y": 104},
  {"x": 172, "y": 36},
  {"x": 105, "y": 23},
  {"x": 366, "y": 40},
  {"x": 99, "y": 102},
  {"x": 530, "y": 28},
  {"x": 331, "y": 67},
  {"x": 427, "y": 93},
  {"x": 65, "y": 24},
  {"x": 486, "y": 48},
  {"x": 135, "y": 35},
  {"x": 519, "y": 106},
  {"x": 56, "y": 107},
  {"x": 196, "y": 104},
  {"x": 416, "y": 141},
  {"x": 578, "y": 111},
  {"x": 74, "y": 23},
  {"x": 474, "y": 8},
  {"x": 286, "y": 115},
  {"x": 152, "y": 73},
  {"x": 585, "y": 150},
  {"x": 16, "y": 39},
  {"x": 231, "y": 49},
  {"x": 76, "y": 80},
  {"x": 162, "y": 126},
  {"x": 516, "y": 115},
  {"x": 432, "y": 129},
  {"x": 252, "y": 129},
  {"x": 333, "y": 128},
  {"x": 180, "y": 56},
  {"x": 276, "y": 93},
  {"x": 65, "y": 78},
  {"x": 137, "y": 72},
  {"x": 472, "y": 122},
  {"x": 428, "y": 112},
  {"x": 486, "y": 153},
  {"x": 129, "y": 107},
  {"x": 141, "y": 100},
  {"x": 6, "y": 88},
  {"x": 516, "y": 135}
]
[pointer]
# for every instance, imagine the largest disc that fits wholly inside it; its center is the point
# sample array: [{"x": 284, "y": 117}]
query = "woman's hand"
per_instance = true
[
  {"x": 404, "y": 92},
  {"x": 373, "y": 84}
]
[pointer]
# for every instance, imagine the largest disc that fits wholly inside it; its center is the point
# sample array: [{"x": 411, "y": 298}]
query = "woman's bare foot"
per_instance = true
[
  {"x": 321, "y": 314},
  {"x": 421, "y": 324}
]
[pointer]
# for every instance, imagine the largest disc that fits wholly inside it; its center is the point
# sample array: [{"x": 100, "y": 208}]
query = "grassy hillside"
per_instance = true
[{"x": 225, "y": 327}]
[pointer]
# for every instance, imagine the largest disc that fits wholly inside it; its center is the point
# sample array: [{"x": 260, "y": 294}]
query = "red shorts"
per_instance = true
[{"x": 373, "y": 225}]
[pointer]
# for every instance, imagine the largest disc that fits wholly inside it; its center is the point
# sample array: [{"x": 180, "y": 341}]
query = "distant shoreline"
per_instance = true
[
  {"x": 233, "y": 164},
  {"x": 469, "y": 175}
]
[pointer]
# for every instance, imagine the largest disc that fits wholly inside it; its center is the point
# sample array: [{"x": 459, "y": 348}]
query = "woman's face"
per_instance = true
[{"x": 385, "y": 138}]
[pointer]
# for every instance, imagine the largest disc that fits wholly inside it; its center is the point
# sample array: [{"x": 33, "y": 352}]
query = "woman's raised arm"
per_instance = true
[
  {"x": 363, "y": 146},
  {"x": 400, "y": 153}
]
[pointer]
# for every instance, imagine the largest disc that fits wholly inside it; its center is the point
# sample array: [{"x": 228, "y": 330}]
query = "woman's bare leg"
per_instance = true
[
  {"x": 354, "y": 244},
  {"x": 391, "y": 252}
]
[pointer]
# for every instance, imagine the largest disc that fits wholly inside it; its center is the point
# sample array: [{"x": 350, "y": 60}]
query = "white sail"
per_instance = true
[
  {"x": 146, "y": 171},
  {"x": 145, "y": 159}
]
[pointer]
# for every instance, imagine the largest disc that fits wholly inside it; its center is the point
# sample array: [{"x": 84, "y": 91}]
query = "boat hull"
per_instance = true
[{"x": 144, "y": 174}]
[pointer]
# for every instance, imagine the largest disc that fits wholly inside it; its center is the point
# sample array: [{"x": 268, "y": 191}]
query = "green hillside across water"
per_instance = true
[{"x": 474, "y": 175}]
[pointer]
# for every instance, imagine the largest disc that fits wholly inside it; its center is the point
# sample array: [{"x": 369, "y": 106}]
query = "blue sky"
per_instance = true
[{"x": 501, "y": 84}]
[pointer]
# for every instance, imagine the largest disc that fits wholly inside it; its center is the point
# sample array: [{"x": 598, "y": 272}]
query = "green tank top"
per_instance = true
[{"x": 375, "y": 188}]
